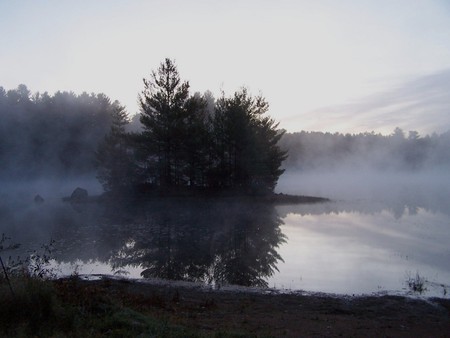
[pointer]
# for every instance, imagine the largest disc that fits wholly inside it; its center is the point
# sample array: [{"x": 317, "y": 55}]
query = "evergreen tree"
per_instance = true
[
  {"x": 163, "y": 115},
  {"x": 267, "y": 167},
  {"x": 197, "y": 141},
  {"x": 115, "y": 163},
  {"x": 247, "y": 155},
  {"x": 187, "y": 143}
]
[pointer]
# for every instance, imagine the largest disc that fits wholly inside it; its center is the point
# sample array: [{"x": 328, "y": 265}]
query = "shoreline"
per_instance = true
[
  {"x": 276, "y": 314},
  {"x": 156, "y": 281},
  {"x": 272, "y": 198}
]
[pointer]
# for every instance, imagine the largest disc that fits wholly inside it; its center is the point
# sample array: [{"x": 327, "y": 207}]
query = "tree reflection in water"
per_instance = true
[{"x": 224, "y": 242}]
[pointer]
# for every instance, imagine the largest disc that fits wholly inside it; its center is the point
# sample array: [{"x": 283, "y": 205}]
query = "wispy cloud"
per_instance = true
[{"x": 422, "y": 104}]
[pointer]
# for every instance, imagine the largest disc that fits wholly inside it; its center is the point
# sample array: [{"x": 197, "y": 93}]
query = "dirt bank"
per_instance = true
[{"x": 209, "y": 311}]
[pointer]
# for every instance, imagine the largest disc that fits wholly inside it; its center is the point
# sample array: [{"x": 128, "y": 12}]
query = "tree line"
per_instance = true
[
  {"x": 44, "y": 135},
  {"x": 396, "y": 151},
  {"x": 187, "y": 141}
]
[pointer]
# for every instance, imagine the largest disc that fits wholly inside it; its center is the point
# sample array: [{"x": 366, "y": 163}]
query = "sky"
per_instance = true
[{"x": 340, "y": 66}]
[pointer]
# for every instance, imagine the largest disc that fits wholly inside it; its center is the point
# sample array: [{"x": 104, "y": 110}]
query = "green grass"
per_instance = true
[
  {"x": 47, "y": 308},
  {"x": 51, "y": 309},
  {"x": 32, "y": 309}
]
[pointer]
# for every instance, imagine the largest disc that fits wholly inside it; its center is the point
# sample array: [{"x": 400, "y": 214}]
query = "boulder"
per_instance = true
[
  {"x": 38, "y": 199},
  {"x": 79, "y": 195}
]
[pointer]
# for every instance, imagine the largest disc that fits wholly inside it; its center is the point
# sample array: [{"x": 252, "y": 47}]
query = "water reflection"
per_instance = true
[
  {"x": 221, "y": 242},
  {"x": 354, "y": 252},
  {"x": 344, "y": 247},
  {"x": 398, "y": 208},
  {"x": 401, "y": 194}
]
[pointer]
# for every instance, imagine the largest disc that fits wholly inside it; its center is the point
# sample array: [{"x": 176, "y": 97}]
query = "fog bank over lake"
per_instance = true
[
  {"x": 424, "y": 188},
  {"x": 379, "y": 231},
  {"x": 382, "y": 231}
]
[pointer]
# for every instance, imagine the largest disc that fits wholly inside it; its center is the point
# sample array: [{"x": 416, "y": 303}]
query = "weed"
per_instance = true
[
  {"x": 33, "y": 306},
  {"x": 38, "y": 262},
  {"x": 4, "y": 247},
  {"x": 416, "y": 283}
]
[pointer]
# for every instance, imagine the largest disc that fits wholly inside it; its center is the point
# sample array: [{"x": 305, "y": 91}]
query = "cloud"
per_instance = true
[{"x": 421, "y": 104}]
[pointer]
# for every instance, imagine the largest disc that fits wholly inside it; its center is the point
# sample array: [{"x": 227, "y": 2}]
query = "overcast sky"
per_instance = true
[{"x": 344, "y": 65}]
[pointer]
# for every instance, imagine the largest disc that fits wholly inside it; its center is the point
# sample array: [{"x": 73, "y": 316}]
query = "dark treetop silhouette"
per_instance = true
[{"x": 187, "y": 146}]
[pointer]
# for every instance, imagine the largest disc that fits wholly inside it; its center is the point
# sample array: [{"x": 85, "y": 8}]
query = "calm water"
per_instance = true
[
  {"x": 363, "y": 243},
  {"x": 352, "y": 249},
  {"x": 381, "y": 231}
]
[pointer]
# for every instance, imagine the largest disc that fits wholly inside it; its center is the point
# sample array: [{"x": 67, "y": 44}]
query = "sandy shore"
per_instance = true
[{"x": 281, "y": 315}]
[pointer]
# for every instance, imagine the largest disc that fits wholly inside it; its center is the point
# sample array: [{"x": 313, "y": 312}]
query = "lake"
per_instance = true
[{"x": 388, "y": 237}]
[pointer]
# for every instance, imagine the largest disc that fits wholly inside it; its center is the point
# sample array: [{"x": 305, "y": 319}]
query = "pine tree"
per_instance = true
[
  {"x": 186, "y": 144},
  {"x": 115, "y": 158},
  {"x": 163, "y": 114},
  {"x": 196, "y": 141},
  {"x": 247, "y": 155}
]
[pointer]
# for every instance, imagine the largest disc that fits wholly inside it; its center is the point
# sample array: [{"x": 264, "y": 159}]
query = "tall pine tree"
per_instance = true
[
  {"x": 163, "y": 114},
  {"x": 176, "y": 130},
  {"x": 116, "y": 166},
  {"x": 185, "y": 143}
]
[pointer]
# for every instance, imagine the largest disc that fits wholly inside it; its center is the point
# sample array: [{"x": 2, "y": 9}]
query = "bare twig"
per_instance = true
[{"x": 6, "y": 276}]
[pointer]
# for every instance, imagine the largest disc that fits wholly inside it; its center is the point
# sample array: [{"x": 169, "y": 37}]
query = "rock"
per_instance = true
[
  {"x": 38, "y": 199},
  {"x": 79, "y": 195}
]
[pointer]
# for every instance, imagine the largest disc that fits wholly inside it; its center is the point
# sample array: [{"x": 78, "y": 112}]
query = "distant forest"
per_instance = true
[
  {"x": 366, "y": 151},
  {"x": 44, "y": 135},
  {"x": 65, "y": 134}
]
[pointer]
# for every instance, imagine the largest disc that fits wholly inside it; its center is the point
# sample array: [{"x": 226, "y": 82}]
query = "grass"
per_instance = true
[
  {"x": 68, "y": 308},
  {"x": 51, "y": 308},
  {"x": 34, "y": 304}
]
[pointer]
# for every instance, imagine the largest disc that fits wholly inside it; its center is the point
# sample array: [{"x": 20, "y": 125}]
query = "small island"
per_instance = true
[{"x": 192, "y": 144}]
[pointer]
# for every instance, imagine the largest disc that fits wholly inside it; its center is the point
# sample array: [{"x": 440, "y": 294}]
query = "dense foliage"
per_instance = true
[
  {"x": 187, "y": 143},
  {"x": 43, "y": 135},
  {"x": 115, "y": 160}
]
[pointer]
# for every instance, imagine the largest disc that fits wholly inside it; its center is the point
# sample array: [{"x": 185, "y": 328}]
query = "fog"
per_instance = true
[
  {"x": 48, "y": 188},
  {"x": 424, "y": 189},
  {"x": 25, "y": 220},
  {"x": 387, "y": 177},
  {"x": 380, "y": 228},
  {"x": 43, "y": 136},
  {"x": 397, "y": 170}
]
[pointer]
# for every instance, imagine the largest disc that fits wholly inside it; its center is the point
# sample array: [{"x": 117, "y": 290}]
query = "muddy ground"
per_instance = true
[{"x": 261, "y": 314}]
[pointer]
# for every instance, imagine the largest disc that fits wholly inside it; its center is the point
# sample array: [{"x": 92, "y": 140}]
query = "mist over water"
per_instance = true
[
  {"x": 394, "y": 168},
  {"x": 429, "y": 189},
  {"x": 49, "y": 187},
  {"x": 376, "y": 233},
  {"x": 353, "y": 252},
  {"x": 380, "y": 230},
  {"x": 27, "y": 221}
]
